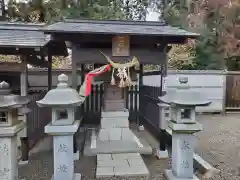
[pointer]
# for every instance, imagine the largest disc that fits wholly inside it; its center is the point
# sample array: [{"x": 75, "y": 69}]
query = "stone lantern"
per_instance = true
[
  {"x": 183, "y": 123},
  {"x": 63, "y": 101},
  {"x": 9, "y": 127}
]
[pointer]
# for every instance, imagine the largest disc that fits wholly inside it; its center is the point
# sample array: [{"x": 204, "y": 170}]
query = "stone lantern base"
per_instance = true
[
  {"x": 169, "y": 175},
  {"x": 76, "y": 176},
  {"x": 63, "y": 150},
  {"x": 8, "y": 151},
  {"x": 183, "y": 143}
]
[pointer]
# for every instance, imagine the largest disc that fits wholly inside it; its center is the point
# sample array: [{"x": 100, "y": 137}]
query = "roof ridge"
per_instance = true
[
  {"x": 117, "y": 22},
  {"x": 21, "y": 26}
]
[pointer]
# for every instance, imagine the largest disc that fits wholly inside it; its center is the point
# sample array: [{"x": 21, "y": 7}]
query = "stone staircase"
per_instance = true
[{"x": 117, "y": 148}]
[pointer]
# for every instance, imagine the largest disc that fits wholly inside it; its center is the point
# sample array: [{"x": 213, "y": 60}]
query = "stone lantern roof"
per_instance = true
[
  {"x": 11, "y": 101},
  {"x": 184, "y": 96},
  {"x": 63, "y": 95}
]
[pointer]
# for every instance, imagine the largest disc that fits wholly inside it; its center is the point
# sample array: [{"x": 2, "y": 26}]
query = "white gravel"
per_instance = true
[{"x": 219, "y": 144}]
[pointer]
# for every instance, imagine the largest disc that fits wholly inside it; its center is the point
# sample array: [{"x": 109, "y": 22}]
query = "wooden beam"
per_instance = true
[
  {"x": 107, "y": 38},
  {"x": 93, "y": 55}
]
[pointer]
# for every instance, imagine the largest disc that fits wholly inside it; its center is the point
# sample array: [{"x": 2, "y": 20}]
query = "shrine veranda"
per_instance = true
[{"x": 109, "y": 92}]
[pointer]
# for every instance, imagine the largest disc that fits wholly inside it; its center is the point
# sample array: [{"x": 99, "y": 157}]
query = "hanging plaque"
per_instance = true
[{"x": 120, "y": 46}]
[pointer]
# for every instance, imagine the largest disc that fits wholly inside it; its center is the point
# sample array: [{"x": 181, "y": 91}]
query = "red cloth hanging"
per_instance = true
[{"x": 89, "y": 77}]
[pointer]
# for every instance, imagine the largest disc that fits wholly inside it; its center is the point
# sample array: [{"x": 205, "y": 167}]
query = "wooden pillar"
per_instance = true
[
  {"x": 74, "y": 66},
  {"x": 163, "y": 133},
  {"x": 74, "y": 86},
  {"x": 24, "y": 92},
  {"x": 49, "y": 72},
  {"x": 82, "y": 74},
  {"x": 140, "y": 84},
  {"x": 79, "y": 114}
]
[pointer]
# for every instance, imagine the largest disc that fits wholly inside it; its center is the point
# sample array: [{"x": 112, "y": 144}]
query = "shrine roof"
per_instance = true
[
  {"x": 22, "y": 35},
  {"x": 15, "y": 36},
  {"x": 146, "y": 28}
]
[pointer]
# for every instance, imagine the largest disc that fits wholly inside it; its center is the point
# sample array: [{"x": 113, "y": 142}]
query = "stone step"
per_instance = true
[
  {"x": 117, "y": 122},
  {"x": 94, "y": 146},
  {"x": 127, "y": 164},
  {"x": 115, "y": 114},
  {"x": 116, "y": 134}
]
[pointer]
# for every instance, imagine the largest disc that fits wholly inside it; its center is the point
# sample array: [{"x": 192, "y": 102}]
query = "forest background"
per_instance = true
[{"x": 217, "y": 21}]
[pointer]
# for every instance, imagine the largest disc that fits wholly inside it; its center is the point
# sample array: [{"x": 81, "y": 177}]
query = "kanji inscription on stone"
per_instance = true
[
  {"x": 62, "y": 168},
  {"x": 4, "y": 174},
  {"x": 4, "y": 149},
  {"x": 185, "y": 164},
  {"x": 185, "y": 145},
  {"x": 62, "y": 148},
  {"x": 4, "y": 153}
]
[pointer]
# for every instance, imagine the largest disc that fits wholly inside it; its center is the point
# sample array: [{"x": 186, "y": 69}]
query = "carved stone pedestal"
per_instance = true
[
  {"x": 63, "y": 151},
  {"x": 8, "y": 151},
  {"x": 183, "y": 143}
]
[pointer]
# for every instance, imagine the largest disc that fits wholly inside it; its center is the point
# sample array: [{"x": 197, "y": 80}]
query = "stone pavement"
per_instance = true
[
  {"x": 126, "y": 164},
  {"x": 118, "y": 148},
  {"x": 115, "y": 136}
]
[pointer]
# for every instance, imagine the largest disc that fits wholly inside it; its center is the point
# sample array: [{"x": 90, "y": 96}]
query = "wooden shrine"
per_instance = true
[{"x": 121, "y": 41}]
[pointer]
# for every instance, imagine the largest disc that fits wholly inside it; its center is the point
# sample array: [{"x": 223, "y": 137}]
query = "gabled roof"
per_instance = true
[
  {"x": 117, "y": 27},
  {"x": 22, "y": 35}
]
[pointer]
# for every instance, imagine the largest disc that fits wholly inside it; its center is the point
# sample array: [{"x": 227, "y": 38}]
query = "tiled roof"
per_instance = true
[
  {"x": 117, "y": 27},
  {"x": 22, "y": 35}
]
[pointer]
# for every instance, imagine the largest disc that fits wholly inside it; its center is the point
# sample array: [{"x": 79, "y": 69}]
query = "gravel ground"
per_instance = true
[
  {"x": 219, "y": 144},
  {"x": 40, "y": 167}
]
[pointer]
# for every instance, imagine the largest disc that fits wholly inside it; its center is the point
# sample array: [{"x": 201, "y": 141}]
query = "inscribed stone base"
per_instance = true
[
  {"x": 170, "y": 176},
  {"x": 162, "y": 154},
  {"x": 63, "y": 157},
  {"x": 8, "y": 158},
  {"x": 182, "y": 154},
  {"x": 76, "y": 176}
]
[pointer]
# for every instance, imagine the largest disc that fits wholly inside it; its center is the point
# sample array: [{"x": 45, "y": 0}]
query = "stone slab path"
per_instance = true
[{"x": 125, "y": 164}]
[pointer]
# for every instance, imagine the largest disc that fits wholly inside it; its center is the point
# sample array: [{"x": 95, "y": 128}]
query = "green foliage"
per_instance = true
[
  {"x": 181, "y": 57},
  {"x": 211, "y": 22},
  {"x": 175, "y": 13},
  {"x": 208, "y": 54},
  {"x": 55, "y": 10}
]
